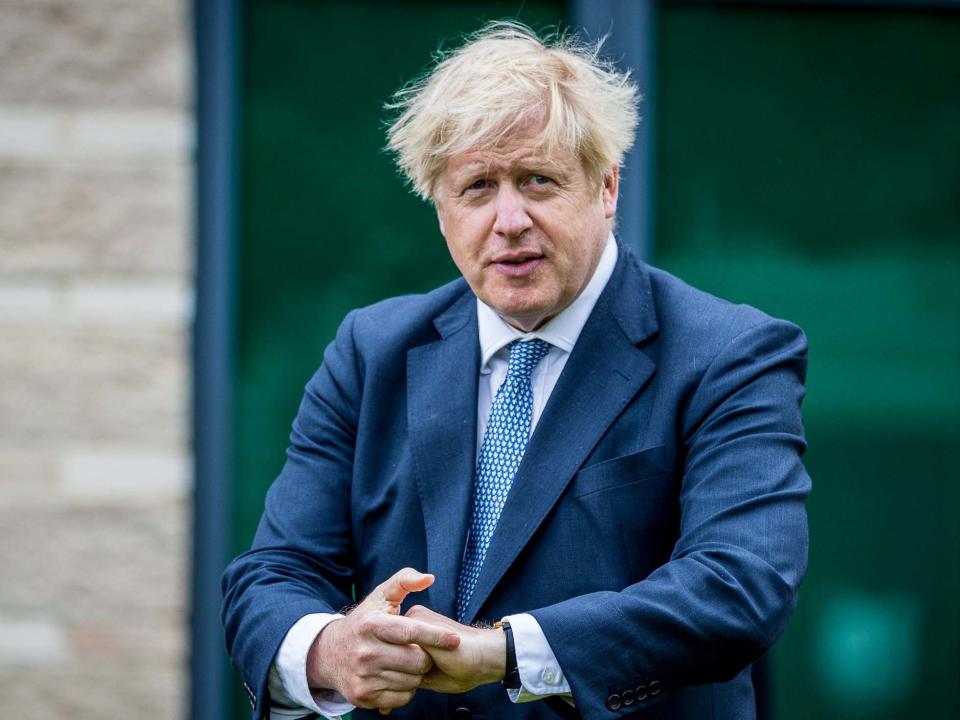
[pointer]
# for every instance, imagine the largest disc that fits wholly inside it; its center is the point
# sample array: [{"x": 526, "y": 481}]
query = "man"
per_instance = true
[{"x": 564, "y": 439}]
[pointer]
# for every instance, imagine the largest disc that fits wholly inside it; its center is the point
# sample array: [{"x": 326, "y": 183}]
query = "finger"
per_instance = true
[
  {"x": 405, "y": 631},
  {"x": 407, "y": 659},
  {"x": 425, "y": 614},
  {"x": 400, "y": 681},
  {"x": 402, "y": 583}
]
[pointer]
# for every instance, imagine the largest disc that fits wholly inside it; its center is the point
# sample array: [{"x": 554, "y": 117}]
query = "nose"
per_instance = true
[{"x": 512, "y": 219}]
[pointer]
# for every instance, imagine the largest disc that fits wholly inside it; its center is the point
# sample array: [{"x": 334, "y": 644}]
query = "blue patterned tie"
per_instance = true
[{"x": 504, "y": 442}]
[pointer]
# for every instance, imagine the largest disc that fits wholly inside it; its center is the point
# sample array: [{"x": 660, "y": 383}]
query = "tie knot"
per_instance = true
[{"x": 524, "y": 357}]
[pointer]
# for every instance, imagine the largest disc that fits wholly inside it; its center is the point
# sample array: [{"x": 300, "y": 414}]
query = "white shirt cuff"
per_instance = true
[
  {"x": 540, "y": 673},
  {"x": 288, "y": 676}
]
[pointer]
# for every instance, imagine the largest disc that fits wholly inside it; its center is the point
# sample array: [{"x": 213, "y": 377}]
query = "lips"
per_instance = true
[{"x": 517, "y": 264}]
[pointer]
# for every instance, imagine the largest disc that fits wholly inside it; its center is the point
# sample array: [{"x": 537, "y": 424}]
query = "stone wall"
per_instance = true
[{"x": 95, "y": 303}]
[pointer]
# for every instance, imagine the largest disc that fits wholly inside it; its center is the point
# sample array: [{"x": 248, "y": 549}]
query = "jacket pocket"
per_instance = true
[{"x": 620, "y": 471}]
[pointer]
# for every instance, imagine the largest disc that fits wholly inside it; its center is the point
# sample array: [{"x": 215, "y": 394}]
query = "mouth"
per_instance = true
[{"x": 518, "y": 263}]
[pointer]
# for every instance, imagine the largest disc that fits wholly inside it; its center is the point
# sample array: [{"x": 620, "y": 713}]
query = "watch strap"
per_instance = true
[{"x": 511, "y": 678}]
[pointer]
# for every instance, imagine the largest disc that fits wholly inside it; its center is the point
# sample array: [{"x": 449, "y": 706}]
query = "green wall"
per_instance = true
[{"x": 809, "y": 164}]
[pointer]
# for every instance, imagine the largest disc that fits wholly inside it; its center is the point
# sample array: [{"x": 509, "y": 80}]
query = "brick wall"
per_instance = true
[{"x": 95, "y": 302}]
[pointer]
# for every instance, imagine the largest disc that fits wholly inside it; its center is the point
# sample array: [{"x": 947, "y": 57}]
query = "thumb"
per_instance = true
[{"x": 393, "y": 590}]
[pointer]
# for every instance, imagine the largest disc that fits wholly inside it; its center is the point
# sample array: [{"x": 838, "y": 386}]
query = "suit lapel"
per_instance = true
[
  {"x": 604, "y": 372},
  {"x": 442, "y": 423}
]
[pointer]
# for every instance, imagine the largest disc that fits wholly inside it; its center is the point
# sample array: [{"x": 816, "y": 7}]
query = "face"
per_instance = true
[{"x": 525, "y": 230}]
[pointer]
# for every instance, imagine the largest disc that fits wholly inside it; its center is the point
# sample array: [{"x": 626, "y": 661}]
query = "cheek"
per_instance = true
[
  {"x": 463, "y": 251},
  {"x": 576, "y": 259},
  {"x": 466, "y": 236}
]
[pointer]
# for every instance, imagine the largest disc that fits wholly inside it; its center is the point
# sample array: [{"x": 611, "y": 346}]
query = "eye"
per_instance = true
[
  {"x": 480, "y": 184},
  {"x": 540, "y": 180}
]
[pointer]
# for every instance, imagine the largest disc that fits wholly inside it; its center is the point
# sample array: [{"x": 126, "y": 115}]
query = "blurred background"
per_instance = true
[{"x": 192, "y": 195}]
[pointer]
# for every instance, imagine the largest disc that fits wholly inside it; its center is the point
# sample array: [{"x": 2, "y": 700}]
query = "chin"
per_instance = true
[{"x": 518, "y": 309}]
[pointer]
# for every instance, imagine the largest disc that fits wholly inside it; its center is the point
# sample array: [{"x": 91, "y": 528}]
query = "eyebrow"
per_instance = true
[{"x": 532, "y": 164}]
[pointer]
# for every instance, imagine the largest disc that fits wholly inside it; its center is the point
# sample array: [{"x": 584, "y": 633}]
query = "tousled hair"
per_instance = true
[{"x": 501, "y": 82}]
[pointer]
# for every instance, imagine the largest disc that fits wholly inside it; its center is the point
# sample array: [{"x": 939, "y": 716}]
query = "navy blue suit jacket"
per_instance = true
[{"x": 655, "y": 528}]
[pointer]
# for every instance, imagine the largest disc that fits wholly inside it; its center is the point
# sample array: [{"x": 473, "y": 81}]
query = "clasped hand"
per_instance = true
[{"x": 377, "y": 658}]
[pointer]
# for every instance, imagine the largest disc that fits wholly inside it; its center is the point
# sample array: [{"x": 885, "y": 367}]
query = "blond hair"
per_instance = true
[{"x": 502, "y": 81}]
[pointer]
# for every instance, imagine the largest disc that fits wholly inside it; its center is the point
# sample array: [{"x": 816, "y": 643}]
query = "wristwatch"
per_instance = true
[{"x": 511, "y": 678}]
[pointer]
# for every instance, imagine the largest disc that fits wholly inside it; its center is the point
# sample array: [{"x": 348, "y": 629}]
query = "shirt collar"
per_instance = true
[{"x": 562, "y": 331}]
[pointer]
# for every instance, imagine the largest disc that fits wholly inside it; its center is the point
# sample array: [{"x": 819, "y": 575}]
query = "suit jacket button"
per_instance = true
[
  {"x": 463, "y": 713},
  {"x": 628, "y": 697},
  {"x": 654, "y": 687},
  {"x": 641, "y": 692},
  {"x": 614, "y": 702}
]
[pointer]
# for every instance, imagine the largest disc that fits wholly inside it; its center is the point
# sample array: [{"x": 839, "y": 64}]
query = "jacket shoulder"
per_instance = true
[
  {"x": 404, "y": 321},
  {"x": 688, "y": 312}
]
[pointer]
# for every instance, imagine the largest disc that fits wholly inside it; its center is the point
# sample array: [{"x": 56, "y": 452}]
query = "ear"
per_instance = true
[
  {"x": 440, "y": 221},
  {"x": 610, "y": 190}
]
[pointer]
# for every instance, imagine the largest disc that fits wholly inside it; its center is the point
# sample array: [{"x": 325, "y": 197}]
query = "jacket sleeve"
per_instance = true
[
  {"x": 730, "y": 585},
  {"x": 301, "y": 559}
]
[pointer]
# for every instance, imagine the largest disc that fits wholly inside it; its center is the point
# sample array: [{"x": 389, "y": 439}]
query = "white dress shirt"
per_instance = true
[{"x": 540, "y": 673}]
